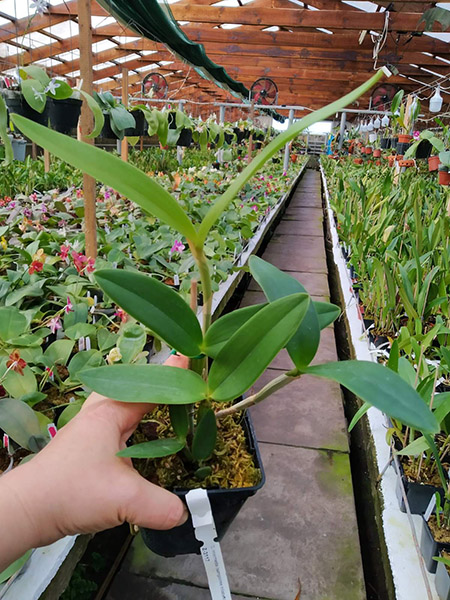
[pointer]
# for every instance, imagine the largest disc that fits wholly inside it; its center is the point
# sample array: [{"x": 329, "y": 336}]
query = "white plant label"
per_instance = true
[
  {"x": 430, "y": 508},
  {"x": 6, "y": 442},
  {"x": 205, "y": 531},
  {"x": 52, "y": 431},
  {"x": 176, "y": 279}
]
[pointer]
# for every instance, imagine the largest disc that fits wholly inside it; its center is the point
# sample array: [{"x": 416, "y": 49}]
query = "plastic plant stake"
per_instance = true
[{"x": 205, "y": 531}]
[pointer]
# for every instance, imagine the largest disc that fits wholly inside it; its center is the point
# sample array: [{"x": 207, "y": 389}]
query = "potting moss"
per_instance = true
[{"x": 232, "y": 463}]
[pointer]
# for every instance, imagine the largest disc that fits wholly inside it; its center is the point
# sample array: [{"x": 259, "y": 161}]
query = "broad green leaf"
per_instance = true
[
  {"x": 179, "y": 419},
  {"x": 156, "y": 306},
  {"x": 33, "y": 398},
  {"x": 441, "y": 406},
  {"x": 106, "y": 339},
  {"x": 205, "y": 436},
  {"x": 34, "y": 93},
  {"x": 19, "y": 421},
  {"x": 84, "y": 360},
  {"x": 160, "y": 384},
  {"x": 62, "y": 92},
  {"x": 221, "y": 330},
  {"x": 99, "y": 117},
  {"x": 58, "y": 353},
  {"x": 254, "y": 345},
  {"x": 18, "y": 385},
  {"x": 303, "y": 345},
  {"x": 415, "y": 448},
  {"x": 35, "y": 72},
  {"x": 79, "y": 330},
  {"x": 382, "y": 388},
  {"x": 16, "y": 566},
  {"x": 69, "y": 413},
  {"x": 12, "y": 323},
  {"x": 110, "y": 170},
  {"x": 9, "y": 154},
  {"x": 154, "y": 449},
  {"x": 273, "y": 147},
  {"x": 131, "y": 342},
  {"x": 393, "y": 357},
  {"x": 327, "y": 313}
]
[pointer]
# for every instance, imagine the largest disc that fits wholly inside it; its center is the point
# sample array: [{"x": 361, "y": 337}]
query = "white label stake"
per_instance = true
[{"x": 205, "y": 531}]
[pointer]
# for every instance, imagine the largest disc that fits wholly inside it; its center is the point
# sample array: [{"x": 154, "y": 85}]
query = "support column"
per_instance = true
[
  {"x": 46, "y": 161},
  {"x": 287, "y": 147},
  {"x": 250, "y": 141},
  {"x": 342, "y": 130},
  {"x": 125, "y": 103},
  {"x": 221, "y": 122},
  {"x": 87, "y": 123}
]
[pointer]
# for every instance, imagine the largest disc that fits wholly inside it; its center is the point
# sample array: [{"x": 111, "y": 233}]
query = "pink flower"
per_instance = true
[
  {"x": 64, "y": 252},
  {"x": 122, "y": 315},
  {"x": 416, "y": 135},
  {"x": 50, "y": 372},
  {"x": 55, "y": 324},
  {"x": 79, "y": 193},
  {"x": 69, "y": 306},
  {"x": 90, "y": 268},
  {"x": 255, "y": 207},
  {"x": 33, "y": 197},
  {"x": 177, "y": 247},
  {"x": 79, "y": 260}
]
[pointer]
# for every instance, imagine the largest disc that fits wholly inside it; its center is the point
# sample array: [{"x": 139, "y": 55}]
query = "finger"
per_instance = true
[
  {"x": 177, "y": 360},
  {"x": 154, "y": 507}
]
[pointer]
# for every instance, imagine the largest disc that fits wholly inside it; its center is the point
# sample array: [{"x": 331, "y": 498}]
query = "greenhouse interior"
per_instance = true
[{"x": 224, "y": 300}]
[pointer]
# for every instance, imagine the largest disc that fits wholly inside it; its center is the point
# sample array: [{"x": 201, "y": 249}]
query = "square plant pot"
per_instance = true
[
  {"x": 442, "y": 582},
  {"x": 418, "y": 494},
  {"x": 430, "y": 547}
]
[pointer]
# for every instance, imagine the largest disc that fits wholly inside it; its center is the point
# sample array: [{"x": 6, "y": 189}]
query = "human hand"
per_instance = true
[{"x": 77, "y": 484}]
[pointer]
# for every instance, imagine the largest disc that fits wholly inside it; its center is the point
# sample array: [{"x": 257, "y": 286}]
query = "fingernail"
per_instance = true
[{"x": 184, "y": 517}]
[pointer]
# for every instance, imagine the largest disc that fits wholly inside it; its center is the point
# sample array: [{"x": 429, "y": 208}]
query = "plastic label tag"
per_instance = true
[
  {"x": 430, "y": 508},
  {"x": 6, "y": 442},
  {"x": 205, "y": 531},
  {"x": 52, "y": 431}
]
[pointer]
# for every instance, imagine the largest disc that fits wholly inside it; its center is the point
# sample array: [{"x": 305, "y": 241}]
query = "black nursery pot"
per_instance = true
[
  {"x": 225, "y": 505},
  {"x": 185, "y": 138},
  {"x": 424, "y": 149},
  {"x": 107, "y": 132},
  {"x": 64, "y": 114},
  {"x": 418, "y": 494},
  {"x": 385, "y": 143},
  {"x": 394, "y": 142},
  {"x": 141, "y": 125},
  {"x": 430, "y": 547},
  {"x": 17, "y": 104},
  {"x": 402, "y": 147}
]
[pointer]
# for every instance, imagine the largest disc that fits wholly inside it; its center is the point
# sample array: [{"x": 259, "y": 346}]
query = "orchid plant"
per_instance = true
[{"x": 241, "y": 344}]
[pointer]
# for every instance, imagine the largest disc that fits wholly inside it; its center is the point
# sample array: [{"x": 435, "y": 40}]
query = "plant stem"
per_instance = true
[
  {"x": 205, "y": 278},
  {"x": 270, "y": 388}
]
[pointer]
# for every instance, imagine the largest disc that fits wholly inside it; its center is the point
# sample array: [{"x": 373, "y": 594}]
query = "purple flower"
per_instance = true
[
  {"x": 68, "y": 307},
  {"x": 107, "y": 195},
  {"x": 61, "y": 223},
  {"x": 55, "y": 324},
  {"x": 44, "y": 217},
  {"x": 27, "y": 212},
  {"x": 177, "y": 247},
  {"x": 12, "y": 204},
  {"x": 33, "y": 197},
  {"x": 44, "y": 208},
  {"x": 255, "y": 207}
]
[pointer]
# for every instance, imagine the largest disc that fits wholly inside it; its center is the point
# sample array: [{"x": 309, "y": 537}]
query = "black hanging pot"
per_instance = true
[
  {"x": 141, "y": 124},
  {"x": 64, "y": 114},
  {"x": 424, "y": 149},
  {"x": 429, "y": 547},
  {"x": 394, "y": 141},
  {"x": 225, "y": 504},
  {"x": 107, "y": 132},
  {"x": 239, "y": 134},
  {"x": 17, "y": 104},
  {"x": 185, "y": 138},
  {"x": 385, "y": 143}
]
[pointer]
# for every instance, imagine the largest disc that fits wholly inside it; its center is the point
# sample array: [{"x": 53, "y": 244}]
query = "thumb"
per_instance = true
[{"x": 154, "y": 507}]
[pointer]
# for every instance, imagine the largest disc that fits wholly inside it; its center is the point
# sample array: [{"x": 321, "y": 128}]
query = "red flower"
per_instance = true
[
  {"x": 35, "y": 267},
  {"x": 79, "y": 260},
  {"x": 64, "y": 252},
  {"x": 90, "y": 265},
  {"x": 15, "y": 363}
]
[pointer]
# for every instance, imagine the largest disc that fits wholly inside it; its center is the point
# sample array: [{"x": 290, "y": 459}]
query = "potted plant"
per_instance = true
[
  {"x": 117, "y": 117},
  {"x": 417, "y": 150},
  {"x": 228, "y": 356},
  {"x": 435, "y": 536},
  {"x": 404, "y": 114},
  {"x": 442, "y": 580}
]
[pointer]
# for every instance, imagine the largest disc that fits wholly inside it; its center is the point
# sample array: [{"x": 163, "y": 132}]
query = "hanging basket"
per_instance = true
[
  {"x": 64, "y": 114},
  {"x": 17, "y": 104}
]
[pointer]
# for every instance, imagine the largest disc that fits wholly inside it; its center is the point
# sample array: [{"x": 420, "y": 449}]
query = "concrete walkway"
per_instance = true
[{"x": 299, "y": 532}]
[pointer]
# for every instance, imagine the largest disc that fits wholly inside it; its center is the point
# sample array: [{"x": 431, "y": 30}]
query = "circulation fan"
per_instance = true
[
  {"x": 382, "y": 96},
  {"x": 155, "y": 86},
  {"x": 264, "y": 91}
]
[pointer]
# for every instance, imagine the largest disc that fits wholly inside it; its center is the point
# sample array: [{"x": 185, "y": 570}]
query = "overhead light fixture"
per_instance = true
[{"x": 436, "y": 101}]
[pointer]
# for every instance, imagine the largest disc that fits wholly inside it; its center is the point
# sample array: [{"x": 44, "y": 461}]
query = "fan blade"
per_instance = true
[{"x": 257, "y": 96}]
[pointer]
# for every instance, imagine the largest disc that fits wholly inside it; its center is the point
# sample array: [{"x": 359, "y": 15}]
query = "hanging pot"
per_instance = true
[
  {"x": 107, "y": 132},
  {"x": 358, "y": 161},
  {"x": 141, "y": 126},
  {"x": 430, "y": 547},
  {"x": 377, "y": 153},
  {"x": 408, "y": 162},
  {"x": 433, "y": 163},
  {"x": 225, "y": 504},
  {"x": 394, "y": 141},
  {"x": 424, "y": 149},
  {"x": 385, "y": 143},
  {"x": 185, "y": 138},
  {"x": 17, "y": 104},
  {"x": 402, "y": 147},
  {"x": 64, "y": 114}
]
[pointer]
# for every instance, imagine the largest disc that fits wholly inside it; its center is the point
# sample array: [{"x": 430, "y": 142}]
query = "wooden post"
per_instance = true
[
  {"x": 125, "y": 103},
  {"x": 46, "y": 161},
  {"x": 33, "y": 151},
  {"x": 87, "y": 123}
]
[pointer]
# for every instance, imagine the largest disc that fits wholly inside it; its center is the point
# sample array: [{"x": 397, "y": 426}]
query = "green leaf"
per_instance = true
[
  {"x": 273, "y": 147},
  {"x": 251, "y": 349},
  {"x": 58, "y": 353},
  {"x": 18, "y": 385},
  {"x": 415, "y": 448},
  {"x": 110, "y": 170},
  {"x": 16, "y": 566},
  {"x": 358, "y": 415},
  {"x": 34, "y": 93},
  {"x": 69, "y": 413},
  {"x": 84, "y": 360},
  {"x": 35, "y": 72},
  {"x": 327, "y": 313},
  {"x": 131, "y": 342},
  {"x": 393, "y": 357},
  {"x": 154, "y": 449},
  {"x": 99, "y": 117},
  {"x": 179, "y": 419},
  {"x": 19, "y": 421},
  {"x": 12, "y": 323},
  {"x": 221, "y": 330},
  {"x": 205, "y": 436},
  {"x": 160, "y": 384},
  {"x": 62, "y": 92},
  {"x": 276, "y": 284},
  {"x": 106, "y": 339},
  {"x": 381, "y": 388},
  {"x": 79, "y": 330},
  {"x": 156, "y": 306},
  {"x": 9, "y": 154}
]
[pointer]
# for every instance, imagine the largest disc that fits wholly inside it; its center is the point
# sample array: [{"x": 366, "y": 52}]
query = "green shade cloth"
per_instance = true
[{"x": 155, "y": 21}]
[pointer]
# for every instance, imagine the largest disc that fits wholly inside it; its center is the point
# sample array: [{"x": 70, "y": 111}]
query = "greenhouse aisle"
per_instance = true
[{"x": 298, "y": 537}]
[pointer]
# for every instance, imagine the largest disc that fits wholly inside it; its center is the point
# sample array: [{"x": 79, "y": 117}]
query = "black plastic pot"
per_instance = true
[
  {"x": 424, "y": 149},
  {"x": 418, "y": 495},
  {"x": 17, "y": 104},
  {"x": 430, "y": 547},
  {"x": 394, "y": 142},
  {"x": 141, "y": 124},
  {"x": 228, "y": 138},
  {"x": 385, "y": 143},
  {"x": 402, "y": 147},
  {"x": 239, "y": 134},
  {"x": 64, "y": 114},
  {"x": 185, "y": 138},
  {"x": 107, "y": 132},
  {"x": 442, "y": 582},
  {"x": 225, "y": 506}
]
